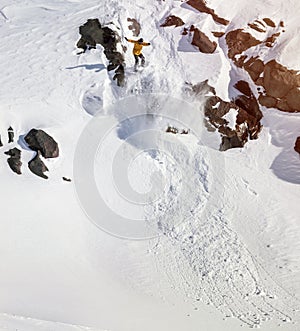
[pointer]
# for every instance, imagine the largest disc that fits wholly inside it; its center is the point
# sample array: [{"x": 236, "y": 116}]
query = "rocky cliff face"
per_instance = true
[
  {"x": 276, "y": 85},
  {"x": 92, "y": 33},
  {"x": 280, "y": 86},
  {"x": 236, "y": 121}
]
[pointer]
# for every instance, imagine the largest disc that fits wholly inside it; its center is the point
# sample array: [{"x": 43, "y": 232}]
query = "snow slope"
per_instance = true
[{"x": 228, "y": 223}]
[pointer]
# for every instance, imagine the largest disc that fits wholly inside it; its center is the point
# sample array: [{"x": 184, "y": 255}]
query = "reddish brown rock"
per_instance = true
[
  {"x": 256, "y": 27},
  {"x": 243, "y": 87},
  {"x": 267, "y": 101},
  {"x": 282, "y": 105},
  {"x": 238, "y": 41},
  {"x": 173, "y": 20},
  {"x": 254, "y": 66},
  {"x": 293, "y": 99},
  {"x": 297, "y": 145},
  {"x": 218, "y": 34},
  {"x": 269, "y": 22},
  {"x": 249, "y": 111},
  {"x": 278, "y": 80},
  {"x": 202, "y": 7},
  {"x": 280, "y": 84},
  {"x": 203, "y": 43},
  {"x": 271, "y": 40}
]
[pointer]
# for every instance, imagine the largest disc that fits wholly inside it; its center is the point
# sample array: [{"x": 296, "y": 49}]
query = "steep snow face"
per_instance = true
[{"x": 225, "y": 225}]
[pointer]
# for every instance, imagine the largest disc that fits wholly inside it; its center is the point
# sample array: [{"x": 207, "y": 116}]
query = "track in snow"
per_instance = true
[{"x": 203, "y": 257}]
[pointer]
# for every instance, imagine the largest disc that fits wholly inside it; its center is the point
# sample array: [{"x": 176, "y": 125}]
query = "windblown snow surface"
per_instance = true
[{"x": 224, "y": 227}]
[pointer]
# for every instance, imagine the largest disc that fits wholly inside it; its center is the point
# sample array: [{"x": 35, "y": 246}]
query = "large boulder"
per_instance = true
[
  {"x": 238, "y": 41},
  {"x": 39, "y": 140},
  {"x": 14, "y": 161},
  {"x": 37, "y": 166},
  {"x": 278, "y": 80},
  {"x": 204, "y": 44}
]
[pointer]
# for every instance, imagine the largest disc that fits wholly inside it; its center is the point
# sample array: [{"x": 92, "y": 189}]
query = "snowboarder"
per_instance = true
[{"x": 137, "y": 50}]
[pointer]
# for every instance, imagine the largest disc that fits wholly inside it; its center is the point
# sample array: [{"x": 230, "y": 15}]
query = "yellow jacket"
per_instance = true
[{"x": 137, "y": 49}]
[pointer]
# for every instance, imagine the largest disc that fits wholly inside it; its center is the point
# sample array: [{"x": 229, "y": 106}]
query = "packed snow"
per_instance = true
[{"x": 156, "y": 231}]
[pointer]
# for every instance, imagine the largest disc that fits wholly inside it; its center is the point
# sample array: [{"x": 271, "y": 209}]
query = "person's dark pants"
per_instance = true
[{"x": 142, "y": 57}]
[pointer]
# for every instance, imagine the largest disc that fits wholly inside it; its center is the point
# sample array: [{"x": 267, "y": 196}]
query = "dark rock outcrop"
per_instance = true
[
  {"x": 11, "y": 135},
  {"x": 14, "y": 161},
  {"x": 215, "y": 109},
  {"x": 37, "y": 166},
  {"x": 173, "y": 20},
  {"x": 120, "y": 75},
  {"x": 135, "y": 26},
  {"x": 204, "y": 44},
  {"x": 246, "y": 124},
  {"x": 1, "y": 142},
  {"x": 249, "y": 111},
  {"x": 297, "y": 145},
  {"x": 93, "y": 33},
  {"x": 202, "y": 7},
  {"x": 39, "y": 140},
  {"x": 172, "y": 129}
]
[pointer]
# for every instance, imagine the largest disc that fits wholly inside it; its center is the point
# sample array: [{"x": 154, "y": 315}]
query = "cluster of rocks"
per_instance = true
[
  {"x": 278, "y": 86},
  {"x": 199, "y": 38},
  {"x": 174, "y": 130},
  {"x": 40, "y": 142},
  {"x": 44, "y": 145},
  {"x": 93, "y": 33},
  {"x": 247, "y": 123}
]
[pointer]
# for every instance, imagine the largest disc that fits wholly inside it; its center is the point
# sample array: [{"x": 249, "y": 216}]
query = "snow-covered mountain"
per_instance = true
[{"x": 172, "y": 201}]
